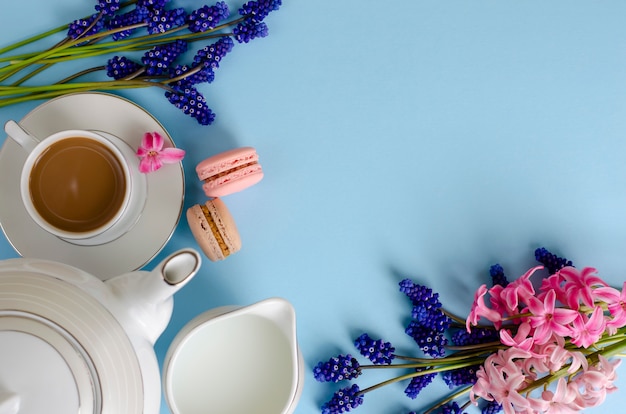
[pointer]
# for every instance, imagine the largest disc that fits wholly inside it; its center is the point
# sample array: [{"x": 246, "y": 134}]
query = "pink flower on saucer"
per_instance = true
[{"x": 153, "y": 155}]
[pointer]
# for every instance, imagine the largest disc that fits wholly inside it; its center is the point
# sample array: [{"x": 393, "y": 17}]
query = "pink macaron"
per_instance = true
[
  {"x": 214, "y": 229},
  {"x": 230, "y": 171}
]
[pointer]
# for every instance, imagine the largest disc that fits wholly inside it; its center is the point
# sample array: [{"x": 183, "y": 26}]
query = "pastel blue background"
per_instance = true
[{"x": 423, "y": 139}]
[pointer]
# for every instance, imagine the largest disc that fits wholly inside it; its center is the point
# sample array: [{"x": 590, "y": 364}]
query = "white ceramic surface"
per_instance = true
[
  {"x": 101, "y": 335},
  {"x": 234, "y": 360},
  {"x": 26, "y": 296},
  {"x": 165, "y": 187}
]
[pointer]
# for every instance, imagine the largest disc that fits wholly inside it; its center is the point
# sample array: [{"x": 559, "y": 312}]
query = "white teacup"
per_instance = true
[{"x": 81, "y": 186}]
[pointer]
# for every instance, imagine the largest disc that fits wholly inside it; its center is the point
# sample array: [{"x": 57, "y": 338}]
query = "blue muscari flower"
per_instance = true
[
  {"x": 477, "y": 336},
  {"x": 343, "y": 400},
  {"x": 247, "y": 30},
  {"x": 451, "y": 408},
  {"x": 432, "y": 318},
  {"x": 420, "y": 294},
  {"x": 211, "y": 55},
  {"x": 460, "y": 376},
  {"x": 418, "y": 383},
  {"x": 202, "y": 75},
  {"x": 119, "y": 67},
  {"x": 153, "y": 4},
  {"x": 492, "y": 407},
  {"x": 136, "y": 16},
  {"x": 207, "y": 17},
  {"x": 158, "y": 59},
  {"x": 497, "y": 275},
  {"x": 339, "y": 368},
  {"x": 258, "y": 10},
  {"x": 81, "y": 27},
  {"x": 192, "y": 103},
  {"x": 161, "y": 20},
  {"x": 431, "y": 342},
  {"x": 377, "y": 351},
  {"x": 108, "y": 7},
  {"x": 552, "y": 262},
  {"x": 204, "y": 63}
]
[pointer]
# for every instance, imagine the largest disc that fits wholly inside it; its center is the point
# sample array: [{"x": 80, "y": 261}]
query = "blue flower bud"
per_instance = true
[
  {"x": 343, "y": 400},
  {"x": 207, "y": 17},
  {"x": 192, "y": 103},
  {"x": 119, "y": 67},
  {"x": 248, "y": 30}
]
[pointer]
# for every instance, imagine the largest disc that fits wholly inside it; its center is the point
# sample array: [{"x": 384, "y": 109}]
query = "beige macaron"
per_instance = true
[{"x": 214, "y": 229}]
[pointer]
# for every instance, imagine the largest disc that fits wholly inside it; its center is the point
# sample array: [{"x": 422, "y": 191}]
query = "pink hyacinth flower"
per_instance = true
[
  {"x": 521, "y": 340},
  {"x": 580, "y": 284},
  {"x": 587, "y": 330},
  {"x": 594, "y": 383},
  {"x": 520, "y": 291},
  {"x": 479, "y": 308},
  {"x": 547, "y": 318},
  {"x": 616, "y": 302},
  {"x": 561, "y": 401},
  {"x": 554, "y": 282},
  {"x": 153, "y": 155}
]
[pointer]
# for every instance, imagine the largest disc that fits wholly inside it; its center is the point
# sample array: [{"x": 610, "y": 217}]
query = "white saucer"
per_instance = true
[{"x": 126, "y": 120}]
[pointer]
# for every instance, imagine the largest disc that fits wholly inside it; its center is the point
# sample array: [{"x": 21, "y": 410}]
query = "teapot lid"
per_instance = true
[{"x": 62, "y": 351}]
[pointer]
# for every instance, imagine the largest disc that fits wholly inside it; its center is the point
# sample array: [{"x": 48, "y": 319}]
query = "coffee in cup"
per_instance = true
[
  {"x": 77, "y": 184},
  {"x": 82, "y": 186}
]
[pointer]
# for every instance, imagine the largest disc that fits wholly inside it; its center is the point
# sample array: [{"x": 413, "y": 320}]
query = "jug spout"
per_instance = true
[
  {"x": 281, "y": 312},
  {"x": 146, "y": 298}
]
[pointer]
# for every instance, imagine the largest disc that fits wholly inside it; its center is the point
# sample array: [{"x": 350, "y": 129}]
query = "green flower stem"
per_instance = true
[
  {"x": 62, "y": 51},
  {"x": 14, "y": 68},
  {"x": 433, "y": 370},
  {"x": 469, "y": 351},
  {"x": 81, "y": 73},
  {"x": 30, "y": 75},
  {"x": 449, "y": 398},
  {"x": 493, "y": 346},
  {"x": 115, "y": 47},
  {"x": 144, "y": 42},
  {"x": 48, "y": 33},
  {"x": 11, "y": 90},
  {"x": 32, "y": 39},
  {"x": 47, "y": 92},
  {"x": 454, "y": 317}
]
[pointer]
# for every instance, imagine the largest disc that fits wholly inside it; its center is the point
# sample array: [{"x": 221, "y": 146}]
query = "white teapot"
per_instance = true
[{"x": 70, "y": 343}]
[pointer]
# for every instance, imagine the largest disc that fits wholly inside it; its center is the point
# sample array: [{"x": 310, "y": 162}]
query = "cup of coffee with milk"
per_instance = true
[{"x": 79, "y": 185}]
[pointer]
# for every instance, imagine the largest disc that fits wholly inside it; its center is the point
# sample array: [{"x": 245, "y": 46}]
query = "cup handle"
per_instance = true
[{"x": 20, "y": 135}]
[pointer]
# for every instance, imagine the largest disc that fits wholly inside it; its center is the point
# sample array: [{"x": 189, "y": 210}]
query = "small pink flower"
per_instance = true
[
  {"x": 616, "y": 302},
  {"x": 554, "y": 282},
  {"x": 521, "y": 339},
  {"x": 153, "y": 155},
  {"x": 480, "y": 309},
  {"x": 594, "y": 383},
  {"x": 587, "y": 330},
  {"x": 547, "y": 318},
  {"x": 501, "y": 378},
  {"x": 520, "y": 291},
  {"x": 580, "y": 284},
  {"x": 560, "y": 402}
]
